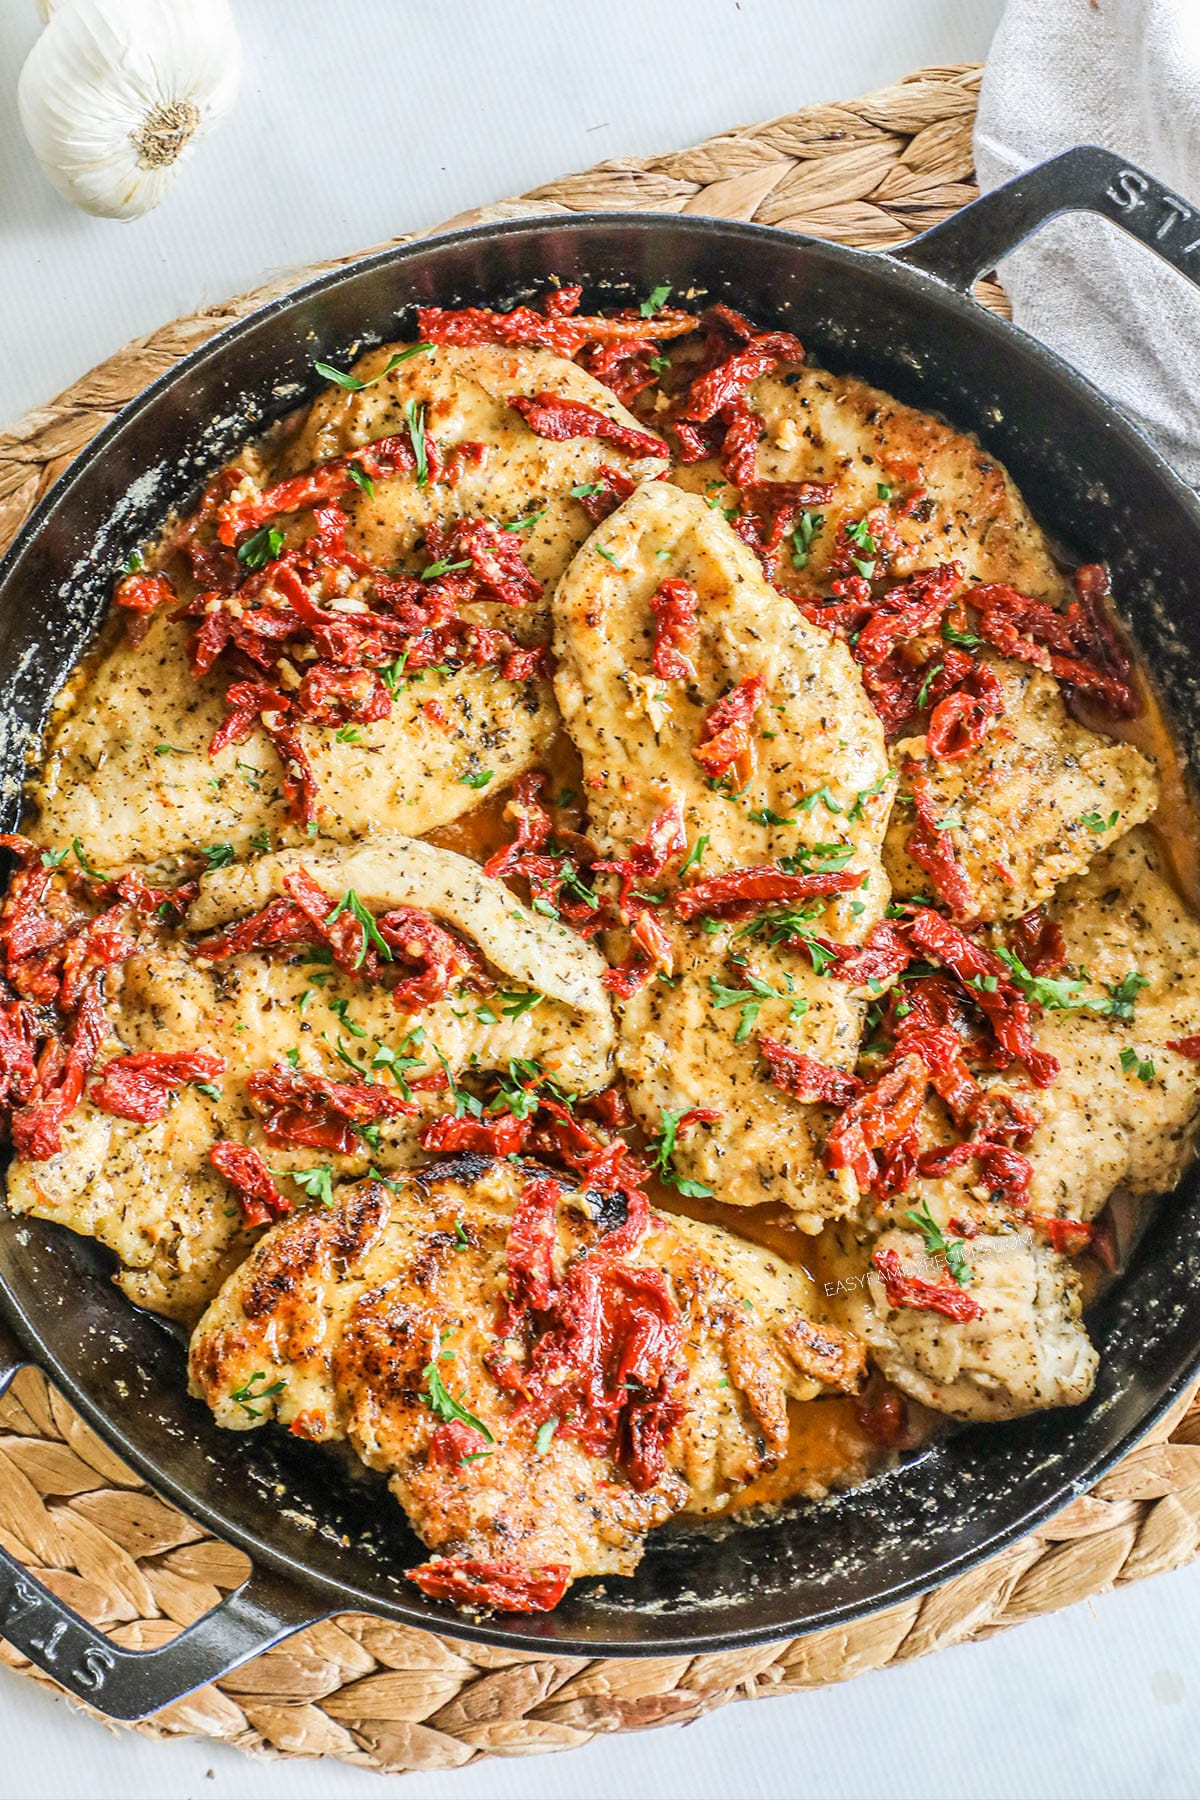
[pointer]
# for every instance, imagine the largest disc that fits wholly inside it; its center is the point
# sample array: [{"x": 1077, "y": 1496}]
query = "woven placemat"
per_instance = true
[{"x": 870, "y": 172}]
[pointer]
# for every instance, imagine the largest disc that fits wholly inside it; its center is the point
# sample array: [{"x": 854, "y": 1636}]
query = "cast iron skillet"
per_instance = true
[{"x": 321, "y": 1542}]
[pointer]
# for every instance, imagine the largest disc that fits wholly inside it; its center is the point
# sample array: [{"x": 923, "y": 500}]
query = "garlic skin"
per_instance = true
[{"x": 115, "y": 94}]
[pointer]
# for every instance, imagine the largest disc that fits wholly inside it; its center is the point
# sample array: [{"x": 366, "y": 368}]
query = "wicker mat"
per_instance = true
[{"x": 869, "y": 172}]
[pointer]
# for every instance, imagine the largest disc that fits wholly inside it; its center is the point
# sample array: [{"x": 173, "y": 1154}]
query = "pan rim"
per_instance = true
[{"x": 330, "y": 1596}]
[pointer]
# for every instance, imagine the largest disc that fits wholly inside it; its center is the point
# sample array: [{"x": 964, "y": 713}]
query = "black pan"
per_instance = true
[{"x": 319, "y": 1541}]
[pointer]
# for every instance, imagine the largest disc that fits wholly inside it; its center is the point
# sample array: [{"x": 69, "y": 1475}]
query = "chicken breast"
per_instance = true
[
  {"x": 946, "y": 498},
  {"x": 127, "y": 769},
  {"x": 1123, "y": 1111},
  {"x": 465, "y": 394},
  {"x": 1030, "y": 807},
  {"x": 149, "y": 1192},
  {"x": 382, "y": 1321},
  {"x": 817, "y": 799},
  {"x": 1026, "y": 1350}
]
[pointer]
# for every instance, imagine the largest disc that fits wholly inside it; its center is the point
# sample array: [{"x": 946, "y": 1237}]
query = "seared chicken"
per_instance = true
[
  {"x": 1025, "y": 1349},
  {"x": 835, "y": 428},
  {"x": 381, "y": 1321},
  {"x": 1028, "y": 808},
  {"x": 818, "y": 796},
  {"x": 127, "y": 769},
  {"x": 148, "y": 1190}
]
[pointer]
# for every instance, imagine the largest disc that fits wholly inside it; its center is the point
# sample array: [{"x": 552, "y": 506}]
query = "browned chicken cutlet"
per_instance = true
[
  {"x": 815, "y": 802},
  {"x": 149, "y": 1191},
  {"x": 382, "y": 1321}
]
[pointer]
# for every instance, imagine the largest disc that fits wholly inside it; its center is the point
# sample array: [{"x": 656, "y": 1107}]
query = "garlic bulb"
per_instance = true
[{"x": 115, "y": 93}]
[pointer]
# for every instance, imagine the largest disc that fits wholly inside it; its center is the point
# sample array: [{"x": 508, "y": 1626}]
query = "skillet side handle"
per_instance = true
[
  {"x": 130, "y": 1684},
  {"x": 1086, "y": 179}
]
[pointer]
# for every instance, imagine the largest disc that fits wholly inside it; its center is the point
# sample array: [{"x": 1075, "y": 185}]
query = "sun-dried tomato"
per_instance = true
[
  {"x": 726, "y": 384},
  {"x": 884, "y": 1418},
  {"x": 767, "y": 512},
  {"x": 345, "y": 935},
  {"x": 499, "y": 1136},
  {"x": 885, "y": 953},
  {"x": 553, "y": 329},
  {"x": 453, "y": 1442},
  {"x": 531, "y": 1240},
  {"x": 250, "y": 1179},
  {"x": 37, "y": 1127},
  {"x": 1006, "y": 1173},
  {"x": 1068, "y": 1236},
  {"x": 745, "y": 891},
  {"x": 1186, "y": 1046},
  {"x": 327, "y": 481},
  {"x": 932, "y": 847},
  {"x": 611, "y": 487},
  {"x": 437, "y": 956},
  {"x": 551, "y": 416},
  {"x": 142, "y": 593},
  {"x": 139, "y": 1086},
  {"x": 329, "y": 696},
  {"x": 744, "y": 432},
  {"x": 499, "y": 1586},
  {"x": 991, "y": 988},
  {"x": 913, "y": 607},
  {"x": 650, "y": 950},
  {"x": 1078, "y": 646},
  {"x": 319, "y": 1114},
  {"x": 19, "y": 1032},
  {"x": 664, "y": 838},
  {"x": 279, "y": 922},
  {"x": 726, "y": 741},
  {"x": 675, "y": 607},
  {"x": 941, "y": 1051},
  {"x": 497, "y": 571},
  {"x": 924, "y": 1296},
  {"x": 1037, "y": 941},
  {"x": 883, "y": 1117},
  {"x": 959, "y": 723},
  {"x": 806, "y": 1078}
]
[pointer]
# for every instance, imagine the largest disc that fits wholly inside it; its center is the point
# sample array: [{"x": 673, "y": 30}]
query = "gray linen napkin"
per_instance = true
[{"x": 1125, "y": 74}]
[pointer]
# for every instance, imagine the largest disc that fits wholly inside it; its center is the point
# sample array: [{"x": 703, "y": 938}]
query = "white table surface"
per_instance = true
[{"x": 356, "y": 120}]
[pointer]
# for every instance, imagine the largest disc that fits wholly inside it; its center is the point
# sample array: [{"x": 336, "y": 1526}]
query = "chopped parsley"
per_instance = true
[
  {"x": 867, "y": 793},
  {"x": 824, "y": 797},
  {"x": 545, "y": 1435},
  {"x": 1132, "y": 1063},
  {"x": 392, "y": 675},
  {"x": 317, "y": 1183},
  {"x": 350, "y": 903},
  {"x": 695, "y": 855},
  {"x": 478, "y": 779},
  {"x": 1097, "y": 822},
  {"x": 883, "y": 490},
  {"x": 606, "y": 554},
  {"x": 133, "y": 562},
  {"x": 750, "y": 999},
  {"x": 83, "y": 862},
  {"x": 962, "y": 640},
  {"x": 339, "y": 1009},
  {"x": 516, "y": 1005},
  {"x": 583, "y": 490},
  {"x": 655, "y": 300},
  {"x": 54, "y": 859},
  {"x": 353, "y": 385},
  {"x": 859, "y": 533},
  {"x": 931, "y": 675},
  {"x": 806, "y": 528},
  {"x": 1122, "y": 995},
  {"x": 248, "y": 1393},
  {"x": 440, "y": 1400},
  {"x": 527, "y": 520},
  {"x": 938, "y": 1244},
  {"x": 219, "y": 856},
  {"x": 361, "y": 479},
  {"x": 443, "y": 566},
  {"x": 662, "y": 1152},
  {"x": 260, "y": 548},
  {"x": 414, "y": 418},
  {"x": 261, "y": 841}
]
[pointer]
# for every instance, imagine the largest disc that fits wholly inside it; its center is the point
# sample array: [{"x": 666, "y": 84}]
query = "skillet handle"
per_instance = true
[
  {"x": 129, "y": 1684},
  {"x": 1086, "y": 179}
]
